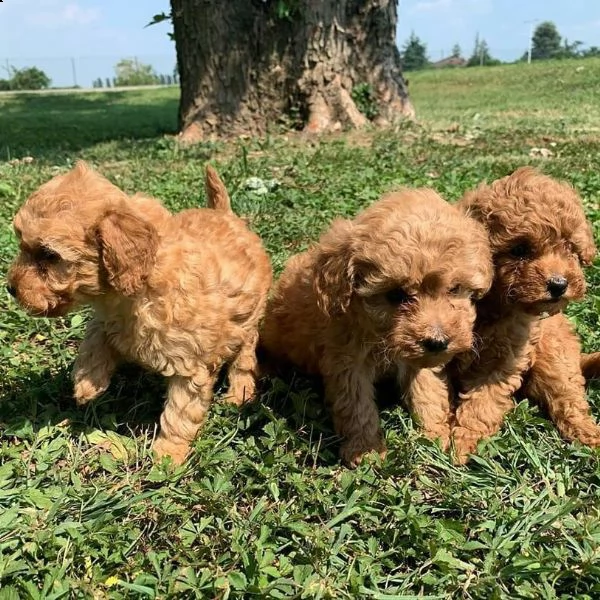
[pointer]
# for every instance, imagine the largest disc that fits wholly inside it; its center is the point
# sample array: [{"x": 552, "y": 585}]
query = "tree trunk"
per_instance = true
[{"x": 245, "y": 67}]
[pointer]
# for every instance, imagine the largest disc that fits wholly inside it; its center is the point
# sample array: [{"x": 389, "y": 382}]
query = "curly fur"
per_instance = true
[
  {"x": 538, "y": 235},
  {"x": 179, "y": 294},
  {"x": 373, "y": 298}
]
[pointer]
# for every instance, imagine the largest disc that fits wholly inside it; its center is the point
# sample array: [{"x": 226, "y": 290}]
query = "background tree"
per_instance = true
[
  {"x": 481, "y": 55},
  {"x": 571, "y": 49},
  {"x": 245, "y": 64},
  {"x": 414, "y": 54},
  {"x": 29, "y": 78},
  {"x": 131, "y": 72},
  {"x": 545, "y": 41},
  {"x": 456, "y": 51},
  {"x": 591, "y": 51}
]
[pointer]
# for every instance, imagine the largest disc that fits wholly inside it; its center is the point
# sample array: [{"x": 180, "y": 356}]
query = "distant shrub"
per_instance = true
[
  {"x": 29, "y": 78},
  {"x": 131, "y": 72}
]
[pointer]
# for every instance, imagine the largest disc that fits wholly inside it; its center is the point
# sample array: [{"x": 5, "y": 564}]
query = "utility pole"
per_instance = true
[
  {"x": 530, "y": 45},
  {"x": 74, "y": 72}
]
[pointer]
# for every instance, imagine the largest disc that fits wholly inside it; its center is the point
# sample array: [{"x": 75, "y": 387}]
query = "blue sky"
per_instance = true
[
  {"x": 97, "y": 33},
  {"x": 502, "y": 23}
]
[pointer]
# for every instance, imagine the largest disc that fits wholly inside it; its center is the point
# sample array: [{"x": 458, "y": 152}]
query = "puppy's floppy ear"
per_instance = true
[
  {"x": 583, "y": 240},
  {"x": 128, "y": 247},
  {"x": 334, "y": 269}
]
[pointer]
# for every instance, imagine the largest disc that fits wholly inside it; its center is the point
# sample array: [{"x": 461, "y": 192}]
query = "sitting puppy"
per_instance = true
[
  {"x": 540, "y": 239},
  {"x": 179, "y": 294},
  {"x": 389, "y": 293}
]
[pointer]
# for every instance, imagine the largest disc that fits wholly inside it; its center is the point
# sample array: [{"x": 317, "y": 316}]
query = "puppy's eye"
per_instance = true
[
  {"x": 521, "y": 250},
  {"x": 398, "y": 296},
  {"x": 46, "y": 255},
  {"x": 461, "y": 291}
]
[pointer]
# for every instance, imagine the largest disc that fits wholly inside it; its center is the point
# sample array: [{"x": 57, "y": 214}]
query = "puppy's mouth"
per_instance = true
[
  {"x": 546, "y": 307},
  {"x": 430, "y": 360},
  {"x": 59, "y": 309}
]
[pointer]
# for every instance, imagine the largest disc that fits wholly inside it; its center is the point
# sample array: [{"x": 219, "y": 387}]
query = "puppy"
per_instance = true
[
  {"x": 540, "y": 240},
  {"x": 389, "y": 293},
  {"x": 178, "y": 294}
]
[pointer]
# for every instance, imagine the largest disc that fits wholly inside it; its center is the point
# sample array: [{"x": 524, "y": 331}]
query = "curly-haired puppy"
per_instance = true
[
  {"x": 388, "y": 293},
  {"x": 540, "y": 239},
  {"x": 179, "y": 294}
]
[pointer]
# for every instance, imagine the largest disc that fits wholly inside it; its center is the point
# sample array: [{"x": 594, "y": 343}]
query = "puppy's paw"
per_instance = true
[
  {"x": 241, "y": 390},
  {"x": 440, "y": 433},
  {"x": 352, "y": 450},
  {"x": 85, "y": 389},
  {"x": 464, "y": 442},
  {"x": 178, "y": 451},
  {"x": 587, "y": 432}
]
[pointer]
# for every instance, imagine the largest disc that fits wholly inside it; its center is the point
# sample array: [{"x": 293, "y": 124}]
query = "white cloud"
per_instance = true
[
  {"x": 437, "y": 6},
  {"x": 51, "y": 14},
  {"x": 431, "y": 6}
]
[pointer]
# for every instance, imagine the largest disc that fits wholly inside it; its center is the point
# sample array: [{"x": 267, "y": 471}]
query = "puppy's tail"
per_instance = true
[
  {"x": 218, "y": 198},
  {"x": 590, "y": 365}
]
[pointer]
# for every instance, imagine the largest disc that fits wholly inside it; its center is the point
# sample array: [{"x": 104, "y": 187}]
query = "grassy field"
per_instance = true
[{"x": 263, "y": 508}]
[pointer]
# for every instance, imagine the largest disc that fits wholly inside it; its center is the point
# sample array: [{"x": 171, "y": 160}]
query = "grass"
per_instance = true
[{"x": 263, "y": 508}]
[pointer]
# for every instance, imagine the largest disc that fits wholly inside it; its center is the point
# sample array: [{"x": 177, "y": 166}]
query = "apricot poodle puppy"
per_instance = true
[
  {"x": 179, "y": 294},
  {"x": 540, "y": 240},
  {"x": 389, "y": 293}
]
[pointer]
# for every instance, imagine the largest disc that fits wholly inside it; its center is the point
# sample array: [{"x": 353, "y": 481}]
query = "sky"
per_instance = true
[
  {"x": 77, "y": 41},
  {"x": 504, "y": 24},
  {"x": 96, "y": 34}
]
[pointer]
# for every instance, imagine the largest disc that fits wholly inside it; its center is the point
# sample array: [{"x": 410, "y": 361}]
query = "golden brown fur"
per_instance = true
[
  {"x": 390, "y": 292},
  {"x": 179, "y": 294},
  {"x": 540, "y": 239}
]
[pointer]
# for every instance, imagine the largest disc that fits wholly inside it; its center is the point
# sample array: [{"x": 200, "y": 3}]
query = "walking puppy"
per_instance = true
[
  {"x": 178, "y": 294},
  {"x": 389, "y": 293},
  {"x": 540, "y": 239}
]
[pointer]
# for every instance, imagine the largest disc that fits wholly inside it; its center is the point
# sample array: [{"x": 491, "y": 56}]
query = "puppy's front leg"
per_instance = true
[
  {"x": 428, "y": 400},
  {"x": 188, "y": 402},
  {"x": 350, "y": 395},
  {"x": 556, "y": 382},
  {"x": 479, "y": 415},
  {"x": 95, "y": 364}
]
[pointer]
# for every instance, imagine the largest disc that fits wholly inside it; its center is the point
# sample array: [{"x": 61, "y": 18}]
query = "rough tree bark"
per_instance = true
[{"x": 243, "y": 66}]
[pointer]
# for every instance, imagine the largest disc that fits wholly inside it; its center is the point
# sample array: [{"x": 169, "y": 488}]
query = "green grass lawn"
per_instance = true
[{"x": 263, "y": 508}]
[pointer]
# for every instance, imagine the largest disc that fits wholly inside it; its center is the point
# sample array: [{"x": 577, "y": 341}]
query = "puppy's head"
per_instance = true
[
  {"x": 408, "y": 270},
  {"x": 80, "y": 237},
  {"x": 539, "y": 238}
]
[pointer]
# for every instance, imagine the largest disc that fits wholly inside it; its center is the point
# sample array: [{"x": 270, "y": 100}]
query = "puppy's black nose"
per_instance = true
[
  {"x": 434, "y": 344},
  {"x": 12, "y": 290},
  {"x": 557, "y": 285}
]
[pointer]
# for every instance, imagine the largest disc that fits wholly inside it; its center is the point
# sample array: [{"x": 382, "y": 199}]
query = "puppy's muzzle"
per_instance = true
[{"x": 12, "y": 290}]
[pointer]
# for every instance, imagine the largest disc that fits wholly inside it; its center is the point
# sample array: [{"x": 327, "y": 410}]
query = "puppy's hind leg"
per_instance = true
[
  {"x": 95, "y": 364},
  {"x": 556, "y": 382},
  {"x": 188, "y": 402},
  {"x": 242, "y": 373}
]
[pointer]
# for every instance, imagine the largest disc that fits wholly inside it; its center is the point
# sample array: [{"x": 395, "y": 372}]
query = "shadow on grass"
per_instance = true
[
  {"x": 41, "y": 125},
  {"x": 134, "y": 401},
  {"x": 298, "y": 399},
  {"x": 33, "y": 402}
]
